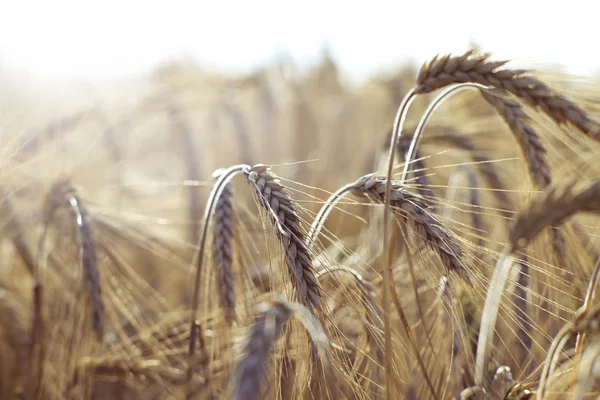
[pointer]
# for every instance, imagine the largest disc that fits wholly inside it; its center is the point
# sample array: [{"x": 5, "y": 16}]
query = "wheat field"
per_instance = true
[{"x": 284, "y": 234}]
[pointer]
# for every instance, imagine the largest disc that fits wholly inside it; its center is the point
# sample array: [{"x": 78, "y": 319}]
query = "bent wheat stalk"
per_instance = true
[
  {"x": 447, "y": 133},
  {"x": 417, "y": 136},
  {"x": 388, "y": 279},
  {"x": 421, "y": 180},
  {"x": 489, "y": 315},
  {"x": 359, "y": 188},
  {"x": 276, "y": 201},
  {"x": 319, "y": 220},
  {"x": 587, "y": 302}
]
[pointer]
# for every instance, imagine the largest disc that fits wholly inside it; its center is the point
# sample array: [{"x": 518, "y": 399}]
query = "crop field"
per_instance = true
[{"x": 430, "y": 233}]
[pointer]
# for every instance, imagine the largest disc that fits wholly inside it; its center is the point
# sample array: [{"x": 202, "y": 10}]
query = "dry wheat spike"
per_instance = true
[
  {"x": 249, "y": 373},
  {"x": 413, "y": 208},
  {"x": 477, "y": 68},
  {"x": 275, "y": 199},
  {"x": 533, "y": 150},
  {"x": 552, "y": 207},
  {"x": 223, "y": 251},
  {"x": 62, "y": 194}
]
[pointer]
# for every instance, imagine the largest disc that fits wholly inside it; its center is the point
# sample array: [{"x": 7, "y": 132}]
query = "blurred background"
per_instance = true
[
  {"x": 69, "y": 40},
  {"x": 161, "y": 93}
]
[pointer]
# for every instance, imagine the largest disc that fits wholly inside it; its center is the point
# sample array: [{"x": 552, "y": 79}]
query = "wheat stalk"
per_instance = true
[
  {"x": 275, "y": 200},
  {"x": 446, "y": 133},
  {"x": 90, "y": 265}
]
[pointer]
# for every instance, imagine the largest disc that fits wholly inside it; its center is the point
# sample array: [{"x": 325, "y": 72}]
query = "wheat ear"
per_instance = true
[
  {"x": 534, "y": 153},
  {"x": 89, "y": 262},
  {"x": 552, "y": 207},
  {"x": 184, "y": 130},
  {"x": 475, "y": 67},
  {"x": 529, "y": 142},
  {"x": 413, "y": 208},
  {"x": 61, "y": 194},
  {"x": 249, "y": 373},
  {"x": 357, "y": 187},
  {"x": 276, "y": 201},
  {"x": 223, "y": 178},
  {"x": 223, "y": 251}
]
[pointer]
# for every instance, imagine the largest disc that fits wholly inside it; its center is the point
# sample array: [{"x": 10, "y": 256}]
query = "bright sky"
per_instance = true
[{"x": 70, "y": 39}]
